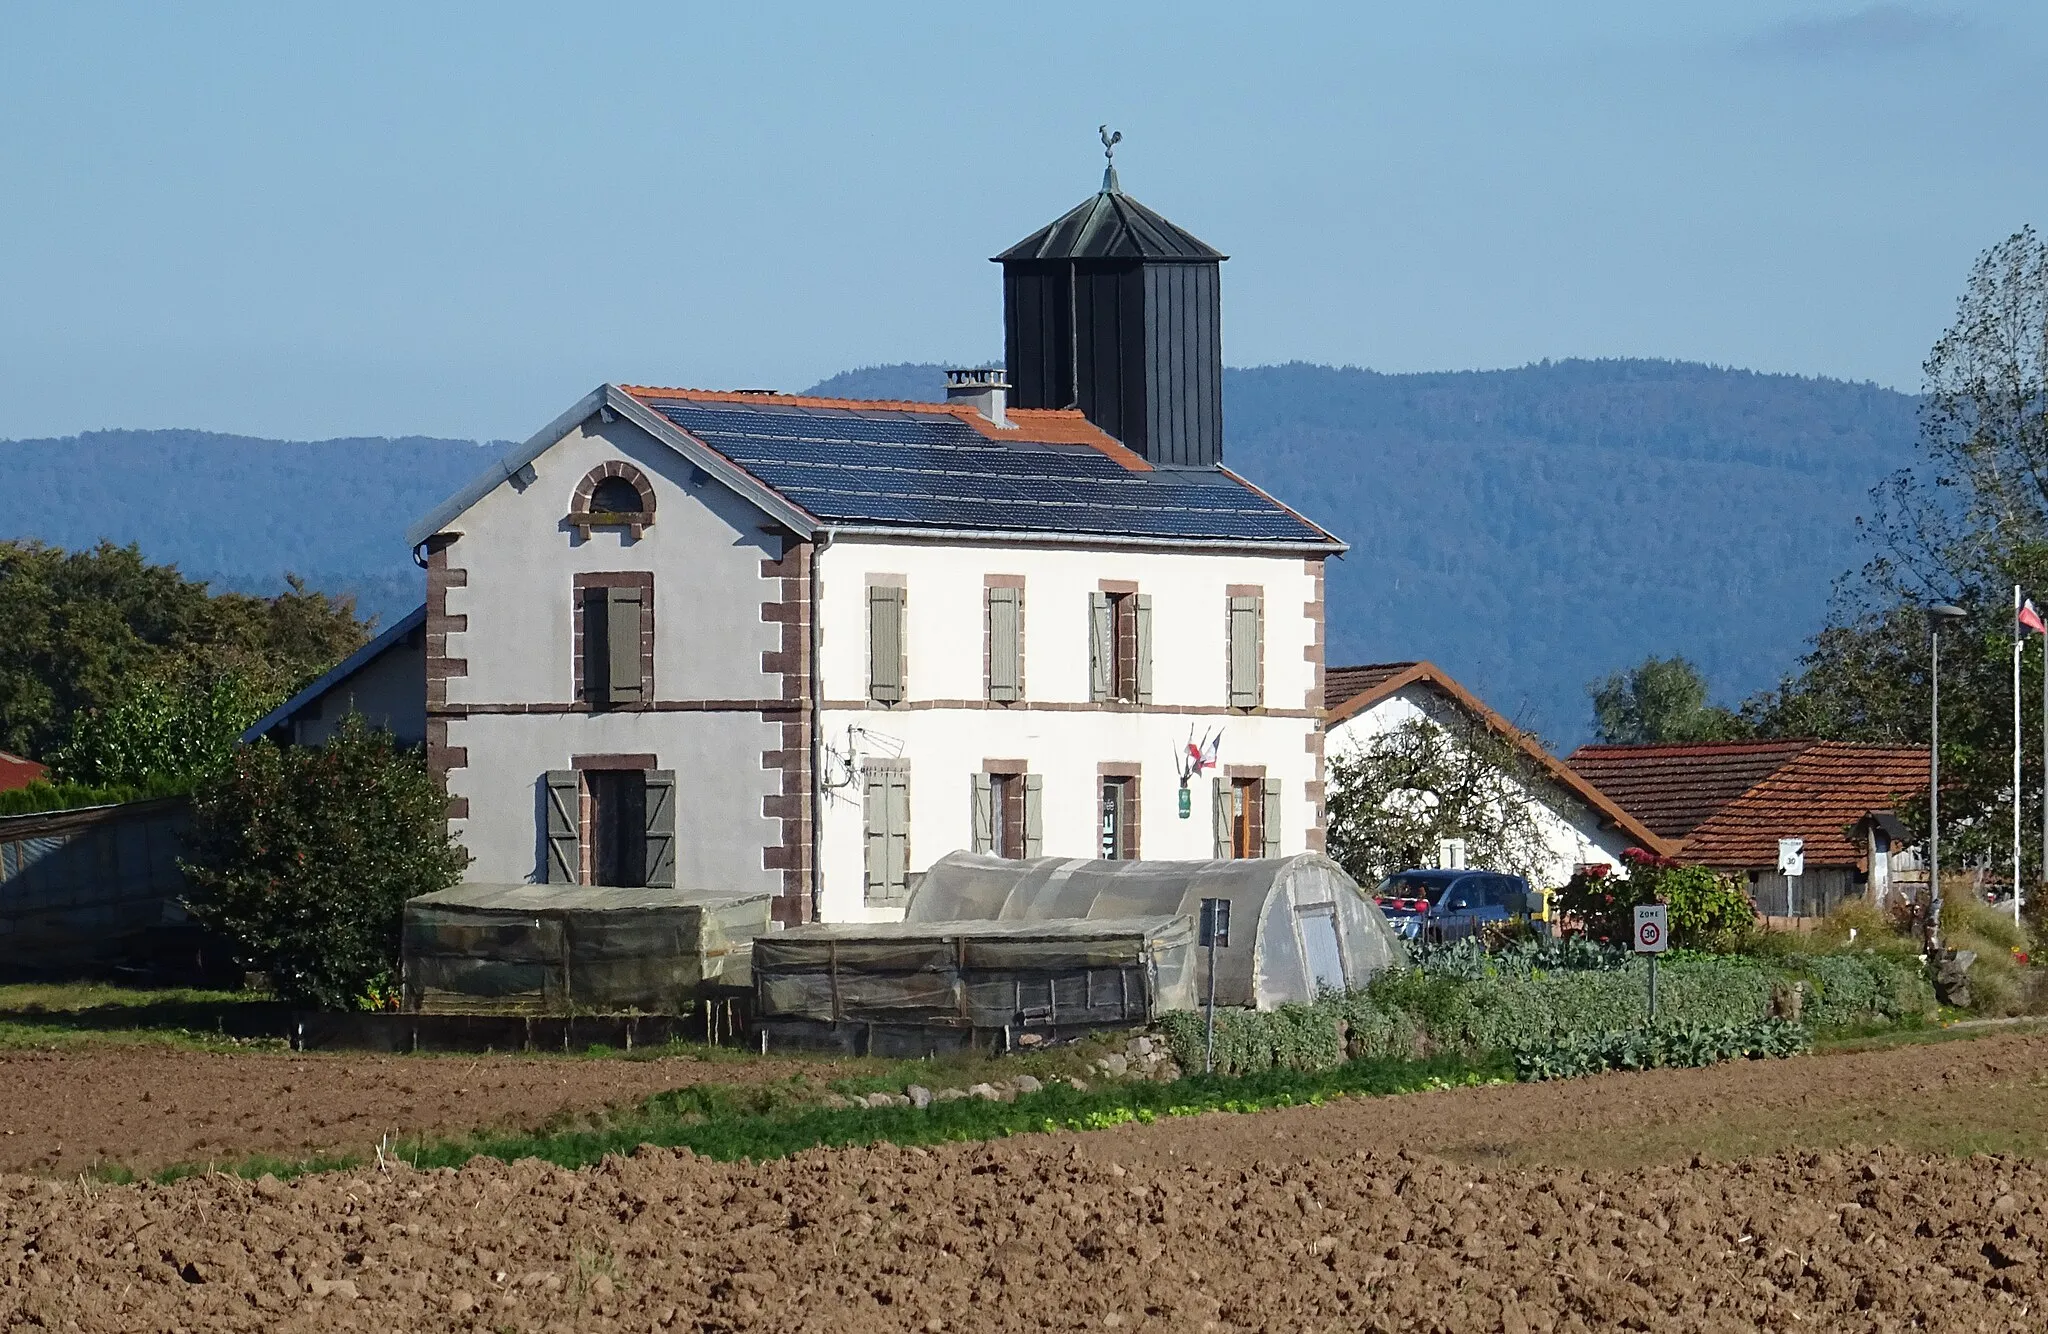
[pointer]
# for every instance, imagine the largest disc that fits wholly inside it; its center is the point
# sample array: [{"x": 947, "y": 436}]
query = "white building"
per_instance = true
[
  {"x": 747, "y": 640},
  {"x": 1579, "y": 825}
]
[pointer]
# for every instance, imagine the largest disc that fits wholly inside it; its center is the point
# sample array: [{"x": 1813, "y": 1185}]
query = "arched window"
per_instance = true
[{"x": 613, "y": 495}]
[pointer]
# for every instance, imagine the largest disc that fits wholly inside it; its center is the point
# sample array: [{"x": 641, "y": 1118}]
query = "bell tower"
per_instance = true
[{"x": 1116, "y": 311}]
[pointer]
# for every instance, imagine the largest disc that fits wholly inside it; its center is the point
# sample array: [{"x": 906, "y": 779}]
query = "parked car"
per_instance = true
[{"x": 1434, "y": 906}]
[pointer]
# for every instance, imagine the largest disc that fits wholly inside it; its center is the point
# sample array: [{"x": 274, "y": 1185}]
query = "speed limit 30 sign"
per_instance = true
[{"x": 1653, "y": 929}]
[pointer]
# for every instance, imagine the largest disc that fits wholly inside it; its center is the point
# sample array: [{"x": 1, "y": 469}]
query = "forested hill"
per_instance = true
[
  {"x": 1527, "y": 529},
  {"x": 1530, "y": 529}
]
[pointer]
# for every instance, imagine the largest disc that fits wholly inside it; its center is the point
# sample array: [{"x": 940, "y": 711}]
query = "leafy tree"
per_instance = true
[
  {"x": 161, "y": 731},
  {"x": 1393, "y": 798},
  {"x": 1660, "y": 699},
  {"x": 1964, "y": 524},
  {"x": 84, "y": 628},
  {"x": 304, "y": 857}
]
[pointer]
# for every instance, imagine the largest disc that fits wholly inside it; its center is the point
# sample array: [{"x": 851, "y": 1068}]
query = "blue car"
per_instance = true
[{"x": 1436, "y": 906}]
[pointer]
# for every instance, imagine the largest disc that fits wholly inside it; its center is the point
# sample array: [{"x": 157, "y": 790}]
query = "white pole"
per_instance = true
[{"x": 2017, "y": 642}]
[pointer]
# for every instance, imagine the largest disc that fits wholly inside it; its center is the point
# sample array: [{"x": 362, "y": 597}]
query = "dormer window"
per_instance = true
[{"x": 613, "y": 495}]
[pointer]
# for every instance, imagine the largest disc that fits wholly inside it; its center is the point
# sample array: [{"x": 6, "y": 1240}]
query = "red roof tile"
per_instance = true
[
  {"x": 1819, "y": 795},
  {"x": 1348, "y": 691},
  {"x": 1673, "y": 788},
  {"x": 18, "y": 772}
]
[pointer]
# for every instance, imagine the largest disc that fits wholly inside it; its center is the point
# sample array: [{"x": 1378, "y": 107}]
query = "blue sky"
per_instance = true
[{"x": 366, "y": 219}]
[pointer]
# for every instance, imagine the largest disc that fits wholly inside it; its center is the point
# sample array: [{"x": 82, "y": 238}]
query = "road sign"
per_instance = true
[
  {"x": 1450, "y": 854},
  {"x": 1653, "y": 929},
  {"x": 1791, "y": 856}
]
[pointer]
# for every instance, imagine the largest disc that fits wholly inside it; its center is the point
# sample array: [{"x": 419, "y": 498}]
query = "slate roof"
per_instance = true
[
  {"x": 1673, "y": 788},
  {"x": 1350, "y": 691},
  {"x": 1111, "y": 225},
  {"x": 934, "y": 466},
  {"x": 1819, "y": 795}
]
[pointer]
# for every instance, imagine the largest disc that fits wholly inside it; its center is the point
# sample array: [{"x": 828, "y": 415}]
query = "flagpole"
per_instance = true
[{"x": 2018, "y": 641}]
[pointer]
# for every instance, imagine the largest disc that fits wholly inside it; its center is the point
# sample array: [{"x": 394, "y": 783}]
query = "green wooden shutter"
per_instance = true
[
  {"x": 896, "y": 867},
  {"x": 661, "y": 828},
  {"x": 1269, "y": 817},
  {"x": 1101, "y": 648},
  {"x": 622, "y": 644},
  {"x": 875, "y": 814},
  {"x": 1004, "y": 645},
  {"x": 1034, "y": 815},
  {"x": 1244, "y": 652},
  {"x": 565, "y": 827},
  {"x": 984, "y": 813},
  {"x": 885, "y": 644},
  {"x": 1221, "y": 806},
  {"x": 1144, "y": 648}
]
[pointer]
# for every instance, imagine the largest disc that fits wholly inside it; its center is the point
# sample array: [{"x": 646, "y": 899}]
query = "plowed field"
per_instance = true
[{"x": 1464, "y": 1210}]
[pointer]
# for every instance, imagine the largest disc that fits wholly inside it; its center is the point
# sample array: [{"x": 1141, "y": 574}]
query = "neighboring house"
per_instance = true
[
  {"x": 750, "y": 640},
  {"x": 16, "y": 771},
  {"x": 1580, "y": 824},
  {"x": 1728, "y": 803},
  {"x": 385, "y": 681}
]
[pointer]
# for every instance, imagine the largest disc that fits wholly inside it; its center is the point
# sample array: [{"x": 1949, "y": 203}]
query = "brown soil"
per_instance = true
[
  {"x": 145, "y": 1108},
  {"x": 1303, "y": 1219}
]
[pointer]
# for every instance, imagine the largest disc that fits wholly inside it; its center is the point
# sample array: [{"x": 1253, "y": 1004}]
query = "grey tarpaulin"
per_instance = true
[
  {"x": 1299, "y": 923},
  {"x": 575, "y": 949},
  {"x": 978, "y": 975}
]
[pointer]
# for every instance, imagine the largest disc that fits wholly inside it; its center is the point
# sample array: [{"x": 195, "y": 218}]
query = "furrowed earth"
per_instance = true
[{"x": 1727, "y": 1198}]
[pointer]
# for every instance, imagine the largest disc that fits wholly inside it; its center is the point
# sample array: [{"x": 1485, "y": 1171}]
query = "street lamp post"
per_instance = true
[{"x": 1938, "y": 615}]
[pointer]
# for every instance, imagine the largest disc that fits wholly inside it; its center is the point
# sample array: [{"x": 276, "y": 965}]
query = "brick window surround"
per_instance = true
[
  {"x": 642, "y": 580},
  {"x": 580, "y": 513}
]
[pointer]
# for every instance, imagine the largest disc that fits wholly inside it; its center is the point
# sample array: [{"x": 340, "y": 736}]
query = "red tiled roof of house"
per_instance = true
[
  {"x": 1037, "y": 426},
  {"x": 1819, "y": 795},
  {"x": 1349, "y": 691},
  {"x": 1342, "y": 684},
  {"x": 1674, "y": 788},
  {"x": 15, "y": 771}
]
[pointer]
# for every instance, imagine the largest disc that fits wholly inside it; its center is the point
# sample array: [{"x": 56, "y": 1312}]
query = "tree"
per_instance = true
[
  {"x": 161, "y": 730},
  {"x": 1963, "y": 525},
  {"x": 304, "y": 857},
  {"x": 81, "y": 629},
  {"x": 1392, "y": 799},
  {"x": 1660, "y": 699}
]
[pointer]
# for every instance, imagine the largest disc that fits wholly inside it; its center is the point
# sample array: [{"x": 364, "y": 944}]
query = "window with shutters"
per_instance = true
[
  {"x": 887, "y": 820},
  {"x": 614, "y": 639},
  {"x": 1120, "y": 646},
  {"x": 1005, "y": 638},
  {"x": 1245, "y": 660},
  {"x": 887, "y": 664},
  {"x": 1008, "y": 812},
  {"x": 1247, "y": 817},
  {"x": 610, "y": 821}
]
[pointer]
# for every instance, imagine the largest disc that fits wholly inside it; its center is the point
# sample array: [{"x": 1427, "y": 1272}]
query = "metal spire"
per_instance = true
[{"x": 1109, "y": 142}]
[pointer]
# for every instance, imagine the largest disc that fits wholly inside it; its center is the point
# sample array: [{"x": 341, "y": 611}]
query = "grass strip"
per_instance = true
[{"x": 693, "y": 1119}]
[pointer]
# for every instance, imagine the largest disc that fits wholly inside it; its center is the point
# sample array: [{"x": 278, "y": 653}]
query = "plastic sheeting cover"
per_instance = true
[
  {"x": 978, "y": 974},
  {"x": 575, "y": 949},
  {"x": 1281, "y": 908}
]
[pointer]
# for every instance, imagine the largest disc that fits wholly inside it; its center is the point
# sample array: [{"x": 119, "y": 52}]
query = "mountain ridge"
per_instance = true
[{"x": 1527, "y": 529}]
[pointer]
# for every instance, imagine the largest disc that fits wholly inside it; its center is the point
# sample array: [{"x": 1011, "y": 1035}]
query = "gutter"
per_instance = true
[{"x": 818, "y": 545}]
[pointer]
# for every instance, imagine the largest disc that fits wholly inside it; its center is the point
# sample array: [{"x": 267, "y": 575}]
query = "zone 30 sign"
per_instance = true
[{"x": 1653, "y": 929}]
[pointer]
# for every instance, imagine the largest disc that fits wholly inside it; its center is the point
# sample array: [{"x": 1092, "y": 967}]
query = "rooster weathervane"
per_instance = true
[{"x": 1110, "y": 139}]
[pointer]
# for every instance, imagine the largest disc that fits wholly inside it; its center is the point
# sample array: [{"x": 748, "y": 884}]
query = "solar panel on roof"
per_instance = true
[{"x": 895, "y": 467}]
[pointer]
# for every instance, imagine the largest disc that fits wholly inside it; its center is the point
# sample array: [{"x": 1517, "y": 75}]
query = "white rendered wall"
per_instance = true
[
  {"x": 1572, "y": 833},
  {"x": 705, "y": 550},
  {"x": 1055, "y": 729}
]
